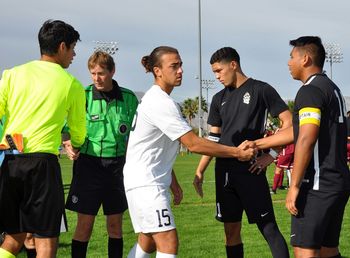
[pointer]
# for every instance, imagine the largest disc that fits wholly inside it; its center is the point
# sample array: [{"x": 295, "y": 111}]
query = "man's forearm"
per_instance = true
[
  {"x": 283, "y": 137},
  {"x": 203, "y": 164}
]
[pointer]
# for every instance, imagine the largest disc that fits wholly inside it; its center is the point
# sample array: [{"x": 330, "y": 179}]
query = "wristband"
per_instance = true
[
  {"x": 273, "y": 153},
  {"x": 214, "y": 137}
]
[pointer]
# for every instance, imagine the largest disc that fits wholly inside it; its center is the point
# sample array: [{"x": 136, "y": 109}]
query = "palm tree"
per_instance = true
[
  {"x": 290, "y": 104},
  {"x": 204, "y": 104},
  {"x": 189, "y": 109}
]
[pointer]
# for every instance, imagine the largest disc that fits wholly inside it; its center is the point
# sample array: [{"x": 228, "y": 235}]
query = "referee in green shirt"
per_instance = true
[{"x": 98, "y": 169}]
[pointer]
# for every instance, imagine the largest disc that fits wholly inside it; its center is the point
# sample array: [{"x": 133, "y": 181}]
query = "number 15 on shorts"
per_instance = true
[{"x": 163, "y": 218}]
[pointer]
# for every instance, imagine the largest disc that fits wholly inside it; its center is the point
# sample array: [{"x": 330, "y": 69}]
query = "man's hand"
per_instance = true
[
  {"x": 291, "y": 198},
  {"x": 260, "y": 163},
  {"x": 247, "y": 145},
  {"x": 247, "y": 150},
  {"x": 72, "y": 153},
  {"x": 198, "y": 183},
  {"x": 177, "y": 192}
]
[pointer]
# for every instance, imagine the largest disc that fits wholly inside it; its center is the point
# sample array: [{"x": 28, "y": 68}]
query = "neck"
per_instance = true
[
  {"x": 309, "y": 72},
  {"x": 167, "y": 88},
  {"x": 51, "y": 59},
  {"x": 241, "y": 79},
  {"x": 109, "y": 87}
]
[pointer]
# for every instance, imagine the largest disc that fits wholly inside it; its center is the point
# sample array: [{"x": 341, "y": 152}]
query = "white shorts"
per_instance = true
[{"x": 149, "y": 209}]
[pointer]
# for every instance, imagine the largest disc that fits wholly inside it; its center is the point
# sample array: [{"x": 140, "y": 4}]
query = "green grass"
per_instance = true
[{"x": 199, "y": 233}]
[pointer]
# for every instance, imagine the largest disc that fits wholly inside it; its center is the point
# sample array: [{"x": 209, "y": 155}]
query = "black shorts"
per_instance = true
[
  {"x": 319, "y": 220},
  {"x": 237, "y": 191},
  {"x": 31, "y": 194},
  {"x": 97, "y": 181}
]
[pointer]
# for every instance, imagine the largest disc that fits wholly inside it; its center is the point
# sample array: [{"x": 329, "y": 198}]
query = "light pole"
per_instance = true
[
  {"x": 333, "y": 55},
  {"x": 200, "y": 70},
  {"x": 207, "y": 84},
  {"x": 110, "y": 47}
]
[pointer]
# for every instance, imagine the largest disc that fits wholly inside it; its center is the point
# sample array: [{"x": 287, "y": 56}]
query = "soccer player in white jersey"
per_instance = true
[
  {"x": 157, "y": 131},
  {"x": 320, "y": 181}
]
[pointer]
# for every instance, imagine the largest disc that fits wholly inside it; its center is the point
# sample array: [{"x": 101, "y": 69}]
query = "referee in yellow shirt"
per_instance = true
[{"x": 37, "y": 98}]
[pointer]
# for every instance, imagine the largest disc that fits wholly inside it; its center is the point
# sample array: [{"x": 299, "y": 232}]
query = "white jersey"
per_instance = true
[{"x": 153, "y": 141}]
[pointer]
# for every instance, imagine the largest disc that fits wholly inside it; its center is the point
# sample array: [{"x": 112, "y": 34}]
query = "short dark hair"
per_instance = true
[
  {"x": 313, "y": 46},
  {"x": 154, "y": 59},
  {"x": 53, "y": 33},
  {"x": 225, "y": 54}
]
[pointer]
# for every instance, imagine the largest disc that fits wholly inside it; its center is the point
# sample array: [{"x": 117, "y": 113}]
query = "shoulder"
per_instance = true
[
  {"x": 256, "y": 82},
  {"x": 309, "y": 95},
  {"x": 262, "y": 85},
  {"x": 88, "y": 88},
  {"x": 308, "y": 91},
  {"x": 218, "y": 96},
  {"x": 127, "y": 92},
  {"x": 260, "y": 88}
]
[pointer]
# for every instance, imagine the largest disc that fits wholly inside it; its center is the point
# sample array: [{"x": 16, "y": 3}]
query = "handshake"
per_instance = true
[{"x": 247, "y": 150}]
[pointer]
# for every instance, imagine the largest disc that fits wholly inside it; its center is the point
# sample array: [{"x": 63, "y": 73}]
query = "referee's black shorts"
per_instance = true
[
  {"x": 319, "y": 220},
  {"x": 241, "y": 190},
  {"x": 97, "y": 181},
  {"x": 31, "y": 195}
]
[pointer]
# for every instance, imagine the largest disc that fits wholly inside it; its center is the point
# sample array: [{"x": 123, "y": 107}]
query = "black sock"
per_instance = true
[
  {"x": 31, "y": 253},
  {"x": 234, "y": 251},
  {"x": 79, "y": 249},
  {"x": 274, "y": 238},
  {"x": 115, "y": 247}
]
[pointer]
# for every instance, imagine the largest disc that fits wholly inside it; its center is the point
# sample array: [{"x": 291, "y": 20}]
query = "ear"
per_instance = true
[
  {"x": 61, "y": 47},
  {"x": 234, "y": 65},
  {"x": 306, "y": 60},
  {"x": 157, "y": 71}
]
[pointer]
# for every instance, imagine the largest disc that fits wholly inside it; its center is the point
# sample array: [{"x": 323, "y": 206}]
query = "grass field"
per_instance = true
[{"x": 201, "y": 236}]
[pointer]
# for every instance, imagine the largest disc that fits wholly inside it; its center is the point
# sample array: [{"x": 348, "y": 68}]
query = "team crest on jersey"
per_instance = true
[
  {"x": 246, "y": 98},
  {"x": 74, "y": 199}
]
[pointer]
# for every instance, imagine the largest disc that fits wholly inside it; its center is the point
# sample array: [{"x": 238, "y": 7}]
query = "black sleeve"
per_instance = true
[
  {"x": 214, "y": 118},
  {"x": 309, "y": 96},
  {"x": 273, "y": 101}
]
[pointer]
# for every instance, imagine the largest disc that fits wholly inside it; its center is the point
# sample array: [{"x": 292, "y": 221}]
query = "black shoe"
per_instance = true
[{"x": 282, "y": 187}]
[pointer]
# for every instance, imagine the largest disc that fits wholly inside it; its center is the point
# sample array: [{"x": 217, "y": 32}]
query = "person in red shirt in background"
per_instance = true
[{"x": 284, "y": 161}]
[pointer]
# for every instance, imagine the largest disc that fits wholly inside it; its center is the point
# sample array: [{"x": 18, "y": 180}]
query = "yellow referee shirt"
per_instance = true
[{"x": 37, "y": 98}]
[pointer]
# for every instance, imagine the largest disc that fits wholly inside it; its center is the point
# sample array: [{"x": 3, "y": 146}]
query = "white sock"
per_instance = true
[
  {"x": 137, "y": 252},
  {"x": 163, "y": 255},
  {"x": 288, "y": 176}
]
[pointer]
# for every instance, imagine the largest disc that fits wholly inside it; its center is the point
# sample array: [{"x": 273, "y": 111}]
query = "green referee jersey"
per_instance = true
[
  {"x": 36, "y": 98},
  {"x": 109, "y": 118}
]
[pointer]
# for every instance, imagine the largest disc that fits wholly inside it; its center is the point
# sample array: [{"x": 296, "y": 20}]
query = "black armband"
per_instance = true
[{"x": 214, "y": 137}]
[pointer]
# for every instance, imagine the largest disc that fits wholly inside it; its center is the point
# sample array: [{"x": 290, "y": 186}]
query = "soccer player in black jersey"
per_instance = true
[
  {"x": 239, "y": 112},
  {"x": 320, "y": 182}
]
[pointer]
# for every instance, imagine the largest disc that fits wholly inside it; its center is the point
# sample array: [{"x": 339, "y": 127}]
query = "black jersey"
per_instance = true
[
  {"x": 327, "y": 170},
  {"x": 242, "y": 114}
]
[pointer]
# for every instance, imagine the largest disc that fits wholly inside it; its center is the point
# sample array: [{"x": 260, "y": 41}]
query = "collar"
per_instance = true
[
  {"x": 312, "y": 76},
  {"x": 115, "y": 93}
]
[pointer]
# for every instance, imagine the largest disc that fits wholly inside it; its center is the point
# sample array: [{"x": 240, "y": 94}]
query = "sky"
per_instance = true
[{"x": 259, "y": 30}]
